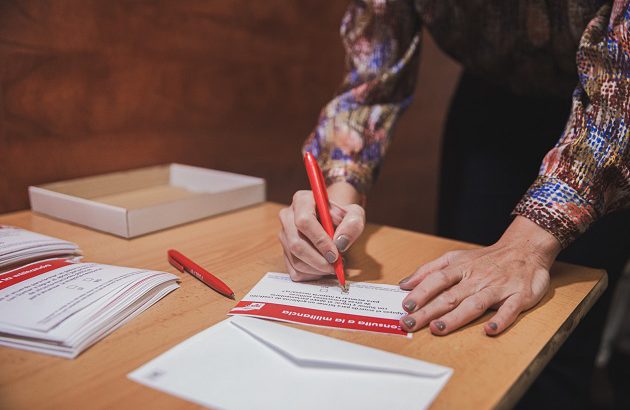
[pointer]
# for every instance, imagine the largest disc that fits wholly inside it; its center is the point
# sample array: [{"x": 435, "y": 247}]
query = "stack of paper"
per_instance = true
[
  {"x": 247, "y": 363},
  {"x": 60, "y": 308},
  {"x": 19, "y": 246}
]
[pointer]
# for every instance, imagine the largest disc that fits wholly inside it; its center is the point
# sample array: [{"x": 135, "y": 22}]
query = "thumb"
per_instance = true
[{"x": 350, "y": 227}]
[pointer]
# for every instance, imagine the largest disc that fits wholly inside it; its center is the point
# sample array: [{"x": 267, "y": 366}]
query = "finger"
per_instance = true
[
  {"x": 423, "y": 271},
  {"x": 505, "y": 316},
  {"x": 350, "y": 228},
  {"x": 441, "y": 304},
  {"x": 470, "y": 309},
  {"x": 290, "y": 268},
  {"x": 337, "y": 212},
  {"x": 305, "y": 220},
  {"x": 298, "y": 276},
  {"x": 296, "y": 245},
  {"x": 299, "y": 265},
  {"x": 430, "y": 287}
]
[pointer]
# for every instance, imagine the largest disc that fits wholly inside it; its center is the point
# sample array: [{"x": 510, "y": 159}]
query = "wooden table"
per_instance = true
[{"x": 240, "y": 247}]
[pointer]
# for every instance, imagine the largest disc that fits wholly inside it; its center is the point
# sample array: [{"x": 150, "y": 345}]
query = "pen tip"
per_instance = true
[{"x": 232, "y": 296}]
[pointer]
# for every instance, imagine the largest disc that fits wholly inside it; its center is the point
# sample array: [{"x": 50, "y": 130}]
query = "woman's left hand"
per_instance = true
[{"x": 512, "y": 276}]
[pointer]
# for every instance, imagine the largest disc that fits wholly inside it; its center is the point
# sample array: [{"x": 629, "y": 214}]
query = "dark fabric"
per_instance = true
[{"x": 483, "y": 176}]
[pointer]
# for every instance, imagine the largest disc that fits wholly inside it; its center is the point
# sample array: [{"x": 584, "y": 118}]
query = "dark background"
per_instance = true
[{"x": 88, "y": 87}]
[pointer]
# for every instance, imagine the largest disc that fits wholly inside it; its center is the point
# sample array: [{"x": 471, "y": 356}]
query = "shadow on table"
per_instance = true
[{"x": 358, "y": 259}]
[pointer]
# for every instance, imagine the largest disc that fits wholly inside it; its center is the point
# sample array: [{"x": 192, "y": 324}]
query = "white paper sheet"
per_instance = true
[
  {"x": 60, "y": 308},
  {"x": 366, "y": 306},
  {"x": 19, "y": 246},
  {"x": 247, "y": 363}
]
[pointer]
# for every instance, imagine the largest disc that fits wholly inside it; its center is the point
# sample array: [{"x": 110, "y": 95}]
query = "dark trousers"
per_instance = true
[{"x": 493, "y": 144}]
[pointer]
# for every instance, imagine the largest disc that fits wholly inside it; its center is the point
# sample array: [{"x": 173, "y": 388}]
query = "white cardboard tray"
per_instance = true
[{"x": 140, "y": 201}]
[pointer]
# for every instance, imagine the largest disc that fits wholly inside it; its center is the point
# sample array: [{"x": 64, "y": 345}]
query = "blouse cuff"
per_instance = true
[
  {"x": 360, "y": 177},
  {"x": 557, "y": 208}
]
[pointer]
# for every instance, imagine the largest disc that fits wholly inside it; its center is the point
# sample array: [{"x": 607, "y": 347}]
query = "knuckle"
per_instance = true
[
  {"x": 358, "y": 210},
  {"x": 527, "y": 294},
  {"x": 354, "y": 221},
  {"x": 479, "y": 305},
  {"x": 442, "y": 277},
  {"x": 321, "y": 242},
  {"x": 299, "y": 266},
  {"x": 283, "y": 213},
  {"x": 449, "y": 300},
  {"x": 467, "y": 271},
  {"x": 302, "y": 222},
  {"x": 421, "y": 293},
  {"x": 451, "y": 255},
  {"x": 301, "y": 194},
  {"x": 296, "y": 248}
]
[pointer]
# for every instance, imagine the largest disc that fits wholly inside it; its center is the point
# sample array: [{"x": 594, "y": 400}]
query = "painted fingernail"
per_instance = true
[
  {"x": 409, "y": 322},
  {"x": 330, "y": 257},
  {"x": 342, "y": 242},
  {"x": 405, "y": 280},
  {"x": 440, "y": 325},
  {"x": 493, "y": 326},
  {"x": 409, "y": 305}
]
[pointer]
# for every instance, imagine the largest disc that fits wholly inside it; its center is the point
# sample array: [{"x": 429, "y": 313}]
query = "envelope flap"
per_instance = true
[{"x": 311, "y": 349}]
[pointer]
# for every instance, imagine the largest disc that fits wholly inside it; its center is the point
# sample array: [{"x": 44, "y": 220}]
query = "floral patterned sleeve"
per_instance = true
[
  {"x": 587, "y": 174},
  {"x": 382, "y": 42}
]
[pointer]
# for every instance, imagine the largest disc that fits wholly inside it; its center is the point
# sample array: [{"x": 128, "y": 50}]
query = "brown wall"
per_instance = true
[{"x": 88, "y": 87}]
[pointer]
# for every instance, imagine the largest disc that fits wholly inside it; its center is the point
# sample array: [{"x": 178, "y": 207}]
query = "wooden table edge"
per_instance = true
[{"x": 537, "y": 365}]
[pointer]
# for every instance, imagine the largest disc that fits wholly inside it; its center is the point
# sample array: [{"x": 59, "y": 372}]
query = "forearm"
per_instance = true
[
  {"x": 382, "y": 43},
  {"x": 585, "y": 176}
]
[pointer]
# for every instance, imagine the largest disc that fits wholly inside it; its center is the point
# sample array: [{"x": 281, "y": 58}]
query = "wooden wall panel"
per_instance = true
[{"x": 92, "y": 86}]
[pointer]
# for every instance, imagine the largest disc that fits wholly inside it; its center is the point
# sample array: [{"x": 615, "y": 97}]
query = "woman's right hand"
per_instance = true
[{"x": 308, "y": 250}]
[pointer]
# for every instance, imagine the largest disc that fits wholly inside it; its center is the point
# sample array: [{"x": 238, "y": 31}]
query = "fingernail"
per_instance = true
[
  {"x": 493, "y": 326},
  {"x": 405, "y": 280},
  {"x": 342, "y": 242},
  {"x": 409, "y": 305},
  {"x": 409, "y": 322},
  {"x": 440, "y": 325},
  {"x": 330, "y": 257}
]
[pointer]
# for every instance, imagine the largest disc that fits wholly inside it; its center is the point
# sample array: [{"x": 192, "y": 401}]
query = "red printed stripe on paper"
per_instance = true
[
  {"x": 18, "y": 275},
  {"x": 317, "y": 317}
]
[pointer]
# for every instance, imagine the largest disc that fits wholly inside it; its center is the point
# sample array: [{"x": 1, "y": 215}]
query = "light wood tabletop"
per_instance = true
[{"x": 240, "y": 247}]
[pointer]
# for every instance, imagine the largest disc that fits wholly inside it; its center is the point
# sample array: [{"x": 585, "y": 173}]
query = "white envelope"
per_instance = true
[{"x": 248, "y": 363}]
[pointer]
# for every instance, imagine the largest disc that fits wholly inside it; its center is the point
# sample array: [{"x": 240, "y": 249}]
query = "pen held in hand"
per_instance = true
[
  {"x": 318, "y": 187},
  {"x": 183, "y": 264}
]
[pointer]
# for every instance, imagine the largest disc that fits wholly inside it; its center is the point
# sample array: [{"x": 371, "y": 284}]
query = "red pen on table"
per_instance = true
[
  {"x": 316, "y": 178},
  {"x": 183, "y": 264}
]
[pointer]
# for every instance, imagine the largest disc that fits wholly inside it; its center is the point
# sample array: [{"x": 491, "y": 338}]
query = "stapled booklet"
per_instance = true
[{"x": 60, "y": 307}]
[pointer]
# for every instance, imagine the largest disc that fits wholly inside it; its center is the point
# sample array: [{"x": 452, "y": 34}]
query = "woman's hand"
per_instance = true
[
  {"x": 308, "y": 250},
  {"x": 512, "y": 276}
]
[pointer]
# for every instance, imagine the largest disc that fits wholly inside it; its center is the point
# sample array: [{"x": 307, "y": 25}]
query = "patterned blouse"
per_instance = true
[{"x": 530, "y": 46}]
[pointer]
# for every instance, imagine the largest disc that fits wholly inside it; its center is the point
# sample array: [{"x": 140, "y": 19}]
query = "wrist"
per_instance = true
[
  {"x": 344, "y": 193},
  {"x": 527, "y": 234}
]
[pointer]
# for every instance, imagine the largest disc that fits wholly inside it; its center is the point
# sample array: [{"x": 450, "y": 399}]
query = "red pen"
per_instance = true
[
  {"x": 316, "y": 178},
  {"x": 183, "y": 264}
]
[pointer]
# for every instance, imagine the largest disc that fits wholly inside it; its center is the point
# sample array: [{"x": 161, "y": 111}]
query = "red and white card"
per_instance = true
[{"x": 366, "y": 306}]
